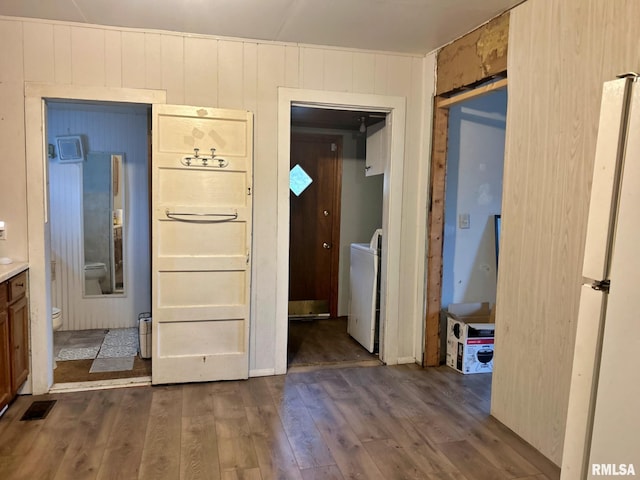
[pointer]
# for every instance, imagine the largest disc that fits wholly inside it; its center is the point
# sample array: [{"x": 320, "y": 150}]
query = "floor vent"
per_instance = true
[{"x": 38, "y": 410}]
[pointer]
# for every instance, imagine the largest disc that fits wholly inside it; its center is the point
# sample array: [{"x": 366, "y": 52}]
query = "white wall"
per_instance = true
[
  {"x": 239, "y": 74},
  {"x": 475, "y": 160},
  {"x": 106, "y": 128}
]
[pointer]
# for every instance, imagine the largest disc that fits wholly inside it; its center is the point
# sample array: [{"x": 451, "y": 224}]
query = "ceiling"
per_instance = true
[{"x": 410, "y": 26}]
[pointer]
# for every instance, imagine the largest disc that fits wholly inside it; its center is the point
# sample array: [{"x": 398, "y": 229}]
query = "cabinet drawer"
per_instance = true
[{"x": 17, "y": 286}]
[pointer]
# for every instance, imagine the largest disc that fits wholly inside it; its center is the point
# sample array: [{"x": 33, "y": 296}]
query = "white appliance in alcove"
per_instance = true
[{"x": 364, "y": 306}]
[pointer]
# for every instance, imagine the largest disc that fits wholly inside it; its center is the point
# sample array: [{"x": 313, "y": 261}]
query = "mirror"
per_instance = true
[{"x": 103, "y": 202}]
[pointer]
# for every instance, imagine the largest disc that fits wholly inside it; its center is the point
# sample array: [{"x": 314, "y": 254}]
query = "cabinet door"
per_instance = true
[
  {"x": 5, "y": 370},
  {"x": 378, "y": 148},
  {"x": 18, "y": 318}
]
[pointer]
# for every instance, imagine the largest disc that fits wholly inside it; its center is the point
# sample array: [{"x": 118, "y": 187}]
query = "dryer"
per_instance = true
[{"x": 364, "y": 304}]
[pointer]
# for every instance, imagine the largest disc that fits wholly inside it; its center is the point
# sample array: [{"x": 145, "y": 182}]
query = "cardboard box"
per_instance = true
[{"x": 470, "y": 336}]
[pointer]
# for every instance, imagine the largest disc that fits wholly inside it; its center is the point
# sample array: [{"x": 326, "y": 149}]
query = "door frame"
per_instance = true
[
  {"x": 335, "y": 217},
  {"x": 41, "y": 372},
  {"x": 391, "y": 210}
]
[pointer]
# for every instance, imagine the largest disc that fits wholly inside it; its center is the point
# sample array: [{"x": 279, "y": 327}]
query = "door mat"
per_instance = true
[{"x": 38, "y": 410}]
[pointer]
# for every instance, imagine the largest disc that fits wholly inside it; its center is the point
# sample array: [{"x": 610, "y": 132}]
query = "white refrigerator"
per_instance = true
[{"x": 602, "y": 435}]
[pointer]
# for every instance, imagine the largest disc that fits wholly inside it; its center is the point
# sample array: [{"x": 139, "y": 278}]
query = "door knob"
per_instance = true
[
  {"x": 325, "y": 213},
  {"x": 326, "y": 245}
]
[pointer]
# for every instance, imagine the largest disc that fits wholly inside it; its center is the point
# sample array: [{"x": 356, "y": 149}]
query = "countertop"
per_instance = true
[{"x": 8, "y": 271}]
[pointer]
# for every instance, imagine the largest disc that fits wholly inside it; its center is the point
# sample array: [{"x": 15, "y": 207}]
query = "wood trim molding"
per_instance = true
[{"x": 468, "y": 95}]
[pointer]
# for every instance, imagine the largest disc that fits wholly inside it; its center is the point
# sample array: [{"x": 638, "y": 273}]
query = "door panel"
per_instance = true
[
  {"x": 201, "y": 243},
  {"x": 315, "y": 226}
]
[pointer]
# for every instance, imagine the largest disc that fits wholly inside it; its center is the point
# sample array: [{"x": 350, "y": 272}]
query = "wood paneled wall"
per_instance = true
[
  {"x": 209, "y": 71},
  {"x": 560, "y": 53}
]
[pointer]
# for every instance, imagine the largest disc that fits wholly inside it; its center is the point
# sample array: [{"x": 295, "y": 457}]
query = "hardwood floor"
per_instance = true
[
  {"x": 324, "y": 341},
  {"x": 381, "y": 422}
]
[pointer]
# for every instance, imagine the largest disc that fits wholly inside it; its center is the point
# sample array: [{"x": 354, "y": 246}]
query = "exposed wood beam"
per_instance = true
[
  {"x": 476, "y": 92},
  {"x": 478, "y": 55},
  {"x": 436, "y": 229}
]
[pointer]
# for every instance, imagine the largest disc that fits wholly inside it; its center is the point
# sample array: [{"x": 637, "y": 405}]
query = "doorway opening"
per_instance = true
[
  {"x": 100, "y": 238},
  {"x": 469, "y": 136},
  {"x": 395, "y": 109},
  {"x": 333, "y": 204}
]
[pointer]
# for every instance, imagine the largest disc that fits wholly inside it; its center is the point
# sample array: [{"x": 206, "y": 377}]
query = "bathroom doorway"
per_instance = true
[{"x": 98, "y": 166}]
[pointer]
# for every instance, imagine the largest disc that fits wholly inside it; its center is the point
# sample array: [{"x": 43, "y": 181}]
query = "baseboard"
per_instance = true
[
  {"x": 403, "y": 360},
  {"x": 264, "y": 372}
]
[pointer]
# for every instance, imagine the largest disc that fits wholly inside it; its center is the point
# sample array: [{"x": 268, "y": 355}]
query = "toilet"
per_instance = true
[
  {"x": 56, "y": 318},
  {"x": 93, "y": 273},
  {"x": 56, "y": 323}
]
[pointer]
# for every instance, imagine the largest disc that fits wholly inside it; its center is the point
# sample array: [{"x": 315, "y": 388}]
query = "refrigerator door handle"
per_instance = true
[{"x": 601, "y": 285}]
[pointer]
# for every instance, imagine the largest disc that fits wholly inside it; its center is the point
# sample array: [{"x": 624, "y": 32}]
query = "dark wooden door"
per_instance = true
[{"x": 314, "y": 251}]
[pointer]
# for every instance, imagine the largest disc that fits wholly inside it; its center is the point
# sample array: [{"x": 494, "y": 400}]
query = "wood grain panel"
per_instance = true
[
  {"x": 311, "y": 65},
  {"x": 201, "y": 71},
  {"x": 381, "y": 74},
  {"x": 250, "y": 77},
  {"x": 62, "y": 53},
  {"x": 38, "y": 52},
  {"x": 270, "y": 74},
  {"x": 133, "y": 59},
  {"x": 338, "y": 70},
  {"x": 87, "y": 56},
  {"x": 550, "y": 147},
  {"x": 399, "y": 83},
  {"x": 101, "y": 412},
  {"x": 364, "y": 65},
  {"x": 172, "y": 47},
  {"x": 123, "y": 450},
  {"x": 230, "y": 74},
  {"x": 159, "y": 459},
  {"x": 291, "y": 66},
  {"x": 152, "y": 60},
  {"x": 113, "y": 58}
]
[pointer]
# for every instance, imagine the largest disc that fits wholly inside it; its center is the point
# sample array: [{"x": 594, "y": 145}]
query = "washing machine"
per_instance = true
[{"x": 364, "y": 304}]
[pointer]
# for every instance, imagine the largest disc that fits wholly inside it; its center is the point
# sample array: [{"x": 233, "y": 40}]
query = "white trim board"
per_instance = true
[
  {"x": 391, "y": 210},
  {"x": 41, "y": 376}
]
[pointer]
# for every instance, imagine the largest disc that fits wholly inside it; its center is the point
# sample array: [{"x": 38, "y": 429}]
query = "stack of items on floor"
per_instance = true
[{"x": 470, "y": 334}]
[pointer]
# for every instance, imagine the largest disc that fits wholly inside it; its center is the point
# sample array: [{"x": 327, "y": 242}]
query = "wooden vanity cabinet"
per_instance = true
[
  {"x": 14, "y": 337},
  {"x": 5, "y": 357}
]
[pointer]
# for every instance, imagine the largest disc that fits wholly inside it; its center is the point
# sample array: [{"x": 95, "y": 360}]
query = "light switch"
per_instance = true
[
  {"x": 3, "y": 231},
  {"x": 463, "y": 220}
]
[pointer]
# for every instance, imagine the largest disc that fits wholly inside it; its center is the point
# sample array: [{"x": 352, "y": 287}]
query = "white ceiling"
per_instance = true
[{"x": 411, "y": 26}]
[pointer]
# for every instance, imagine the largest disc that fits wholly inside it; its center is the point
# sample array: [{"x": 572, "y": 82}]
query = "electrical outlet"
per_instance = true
[
  {"x": 463, "y": 220},
  {"x": 3, "y": 231}
]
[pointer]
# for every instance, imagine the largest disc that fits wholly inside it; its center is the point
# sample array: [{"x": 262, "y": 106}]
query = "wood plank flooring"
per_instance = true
[
  {"x": 380, "y": 422},
  {"x": 324, "y": 341}
]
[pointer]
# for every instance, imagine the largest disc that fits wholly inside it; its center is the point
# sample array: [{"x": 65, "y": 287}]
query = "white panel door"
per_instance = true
[{"x": 201, "y": 239}]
